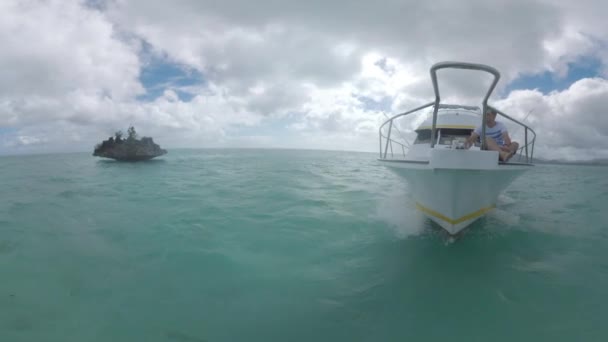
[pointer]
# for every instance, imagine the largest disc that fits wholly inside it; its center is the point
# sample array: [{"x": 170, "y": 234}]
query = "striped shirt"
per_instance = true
[{"x": 494, "y": 132}]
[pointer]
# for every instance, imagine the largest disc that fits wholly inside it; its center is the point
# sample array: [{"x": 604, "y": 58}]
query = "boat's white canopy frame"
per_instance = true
[{"x": 528, "y": 145}]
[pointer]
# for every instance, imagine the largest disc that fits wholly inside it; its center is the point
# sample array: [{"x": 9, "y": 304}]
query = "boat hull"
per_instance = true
[{"x": 456, "y": 195}]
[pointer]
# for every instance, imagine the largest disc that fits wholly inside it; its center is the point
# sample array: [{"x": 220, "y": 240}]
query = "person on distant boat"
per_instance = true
[{"x": 497, "y": 137}]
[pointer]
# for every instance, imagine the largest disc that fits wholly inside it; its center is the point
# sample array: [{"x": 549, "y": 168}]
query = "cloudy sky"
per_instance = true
[{"x": 292, "y": 74}]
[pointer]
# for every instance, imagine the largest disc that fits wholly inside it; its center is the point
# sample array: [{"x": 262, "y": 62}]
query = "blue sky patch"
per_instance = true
[
  {"x": 546, "y": 82},
  {"x": 160, "y": 74},
  {"x": 7, "y": 130},
  {"x": 99, "y": 5},
  {"x": 382, "y": 64},
  {"x": 371, "y": 104}
]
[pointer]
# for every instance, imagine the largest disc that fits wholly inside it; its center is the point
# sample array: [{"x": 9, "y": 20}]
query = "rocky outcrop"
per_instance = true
[{"x": 130, "y": 149}]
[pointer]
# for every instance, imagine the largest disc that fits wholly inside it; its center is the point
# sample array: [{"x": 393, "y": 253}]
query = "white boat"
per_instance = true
[{"x": 451, "y": 185}]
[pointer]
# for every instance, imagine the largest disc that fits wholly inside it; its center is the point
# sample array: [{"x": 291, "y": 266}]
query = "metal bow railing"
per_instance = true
[{"x": 527, "y": 147}]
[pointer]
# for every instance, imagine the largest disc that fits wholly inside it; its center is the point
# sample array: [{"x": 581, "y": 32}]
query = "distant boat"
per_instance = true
[{"x": 453, "y": 186}]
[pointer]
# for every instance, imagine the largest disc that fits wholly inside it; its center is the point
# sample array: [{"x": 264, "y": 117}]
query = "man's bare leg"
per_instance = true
[
  {"x": 514, "y": 147},
  {"x": 511, "y": 148},
  {"x": 493, "y": 146}
]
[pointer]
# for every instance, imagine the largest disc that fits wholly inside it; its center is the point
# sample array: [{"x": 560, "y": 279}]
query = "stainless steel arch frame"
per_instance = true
[{"x": 466, "y": 66}]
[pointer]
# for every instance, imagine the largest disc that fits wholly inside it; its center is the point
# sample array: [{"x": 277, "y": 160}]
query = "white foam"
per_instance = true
[
  {"x": 504, "y": 216},
  {"x": 399, "y": 212},
  {"x": 504, "y": 200}
]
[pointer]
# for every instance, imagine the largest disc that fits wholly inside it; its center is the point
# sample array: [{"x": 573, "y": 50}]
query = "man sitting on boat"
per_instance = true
[{"x": 497, "y": 137}]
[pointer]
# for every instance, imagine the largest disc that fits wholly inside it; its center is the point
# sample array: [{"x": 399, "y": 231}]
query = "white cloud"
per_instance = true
[
  {"x": 61, "y": 61},
  {"x": 54, "y": 48},
  {"x": 327, "y": 71},
  {"x": 570, "y": 124}
]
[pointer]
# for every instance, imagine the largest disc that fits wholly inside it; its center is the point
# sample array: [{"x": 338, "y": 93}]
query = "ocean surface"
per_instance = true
[{"x": 280, "y": 245}]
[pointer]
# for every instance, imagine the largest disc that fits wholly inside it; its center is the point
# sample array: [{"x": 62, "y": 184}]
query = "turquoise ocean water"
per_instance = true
[{"x": 277, "y": 245}]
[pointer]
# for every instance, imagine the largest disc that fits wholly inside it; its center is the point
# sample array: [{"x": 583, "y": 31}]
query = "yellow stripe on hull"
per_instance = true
[
  {"x": 447, "y": 126},
  {"x": 454, "y": 221}
]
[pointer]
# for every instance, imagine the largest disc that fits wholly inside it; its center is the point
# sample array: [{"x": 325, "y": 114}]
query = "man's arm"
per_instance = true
[
  {"x": 471, "y": 140},
  {"x": 506, "y": 138}
]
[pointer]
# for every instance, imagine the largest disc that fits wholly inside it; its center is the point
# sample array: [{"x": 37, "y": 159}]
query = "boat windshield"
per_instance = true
[
  {"x": 446, "y": 135},
  {"x": 423, "y": 137},
  {"x": 449, "y": 135}
]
